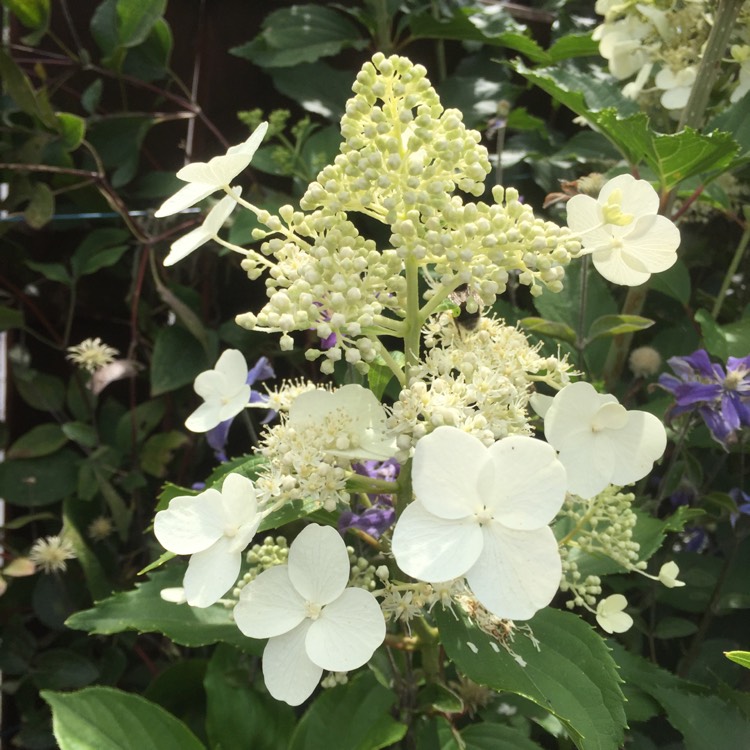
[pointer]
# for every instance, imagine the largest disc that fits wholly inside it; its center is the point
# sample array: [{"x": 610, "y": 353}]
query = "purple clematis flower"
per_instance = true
[
  {"x": 742, "y": 501},
  {"x": 380, "y": 516},
  {"x": 217, "y": 437},
  {"x": 722, "y": 398}
]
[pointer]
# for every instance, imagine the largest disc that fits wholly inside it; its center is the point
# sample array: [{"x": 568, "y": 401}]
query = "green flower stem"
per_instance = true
[
  {"x": 620, "y": 346},
  {"x": 429, "y": 646},
  {"x": 724, "y": 23},
  {"x": 437, "y": 299},
  {"x": 413, "y": 322},
  {"x": 581, "y": 334},
  {"x": 405, "y": 491},
  {"x": 391, "y": 363},
  {"x": 371, "y": 485},
  {"x": 244, "y": 251},
  {"x": 574, "y": 531},
  {"x": 738, "y": 253}
]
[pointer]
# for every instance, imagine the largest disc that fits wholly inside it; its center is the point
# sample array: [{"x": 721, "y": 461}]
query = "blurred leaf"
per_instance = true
[
  {"x": 138, "y": 423},
  {"x": 33, "y": 14},
  {"x": 102, "y": 718},
  {"x": 674, "y": 627},
  {"x": 100, "y": 248},
  {"x": 96, "y": 579},
  {"x": 37, "y": 213},
  {"x": 158, "y": 450},
  {"x": 436, "y": 696},
  {"x": 37, "y": 389},
  {"x": 740, "y": 657},
  {"x": 118, "y": 141},
  {"x": 136, "y": 19},
  {"x": 150, "y": 61},
  {"x": 316, "y": 87},
  {"x": 72, "y": 129},
  {"x": 31, "y": 482},
  {"x": 571, "y": 675},
  {"x": 19, "y": 88},
  {"x": 10, "y": 318},
  {"x": 91, "y": 96},
  {"x": 62, "y": 669},
  {"x": 731, "y": 340},
  {"x": 38, "y": 441},
  {"x": 435, "y": 733},
  {"x": 487, "y": 736},
  {"x": 355, "y": 716},
  {"x": 302, "y": 33},
  {"x": 118, "y": 508},
  {"x": 157, "y": 563},
  {"x": 144, "y": 611},
  {"x": 81, "y": 433},
  {"x": 177, "y": 359},
  {"x": 188, "y": 318},
  {"x": 549, "y": 328},
  {"x": 735, "y": 119},
  {"x": 573, "y": 45},
  {"x": 234, "y": 708},
  {"x": 674, "y": 282},
  {"x": 613, "y": 325},
  {"x": 51, "y": 271}
]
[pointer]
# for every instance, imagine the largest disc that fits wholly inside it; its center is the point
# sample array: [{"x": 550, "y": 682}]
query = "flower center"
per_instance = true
[
  {"x": 313, "y": 610},
  {"x": 612, "y": 211},
  {"x": 733, "y": 379},
  {"x": 483, "y": 516}
]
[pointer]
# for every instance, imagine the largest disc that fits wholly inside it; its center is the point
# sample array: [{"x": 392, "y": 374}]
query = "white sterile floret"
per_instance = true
[
  {"x": 622, "y": 231},
  {"x": 224, "y": 391},
  {"x": 483, "y": 513},
  {"x": 214, "y": 528},
  {"x": 621, "y": 44},
  {"x": 213, "y": 222},
  {"x": 204, "y": 178},
  {"x": 676, "y": 86},
  {"x": 350, "y": 420},
  {"x": 313, "y": 622},
  {"x": 599, "y": 441},
  {"x": 610, "y": 615},
  {"x": 668, "y": 575}
]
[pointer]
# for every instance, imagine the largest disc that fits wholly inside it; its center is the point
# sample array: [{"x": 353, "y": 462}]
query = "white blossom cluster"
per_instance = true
[
  {"x": 479, "y": 380},
  {"x": 660, "y": 42}
]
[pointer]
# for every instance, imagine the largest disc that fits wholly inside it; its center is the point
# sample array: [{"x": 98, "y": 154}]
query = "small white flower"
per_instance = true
[
  {"x": 224, "y": 390},
  {"x": 610, "y": 615},
  {"x": 313, "y": 622},
  {"x": 621, "y": 229},
  {"x": 676, "y": 86},
  {"x": 599, "y": 441},
  {"x": 204, "y": 178},
  {"x": 350, "y": 420},
  {"x": 51, "y": 553},
  {"x": 175, "y": 595},
  {"x": 668, "y": 575},
  {"x": 621, "y": 44},
  {"x": 213, "y": 222},
  {"x": 91, "y": 354},
  {"x": 483, "y": 513},
  {"x": 214, "y": 528}
]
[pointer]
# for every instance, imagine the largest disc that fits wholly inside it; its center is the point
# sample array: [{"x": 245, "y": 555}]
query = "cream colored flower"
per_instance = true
[
  {"x": 51, "y": 553},
  {"x": 610, "y": 615},
  {"x": 91, "y": 354},
  {"x": 668, "y": 575}
]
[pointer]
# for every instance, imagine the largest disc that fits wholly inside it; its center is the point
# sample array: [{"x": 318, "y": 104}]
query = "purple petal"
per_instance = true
[{"x": 261, "y": 370}]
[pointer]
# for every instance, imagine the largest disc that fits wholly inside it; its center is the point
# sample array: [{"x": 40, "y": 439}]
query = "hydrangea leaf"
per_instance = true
[
  {"x": 103, "y": 718},
  {"x": 731, "y": 340},
  {"x": 613, "y": 325},
  {"x": 572, "y": 675},
  {"x": 552, "y": 328},
  {"x": 144, "y": 611},
  {"x": 356, "y": 716},
  {"x": 740, "y": 657},
  {"x": 488, "y": 736}
]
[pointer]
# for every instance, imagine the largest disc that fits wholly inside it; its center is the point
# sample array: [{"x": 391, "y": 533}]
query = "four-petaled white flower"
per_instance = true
[
  {"x": 610, "y": 615},
  {"x": 676, "y": 86},
  {"x": 214, "y": 528},
  {"x": 668, "y": 575},
  {"x": 312, "y": 620},
  {"x": 204, "y": 178},
  {"x": 483, "y": 513},
  {"x": 224, "y": 390},
  {"x": 599, "y": 441},
  {"x": 210, "y": 227},
  {"x": 622, "y": 231},
  {"x": 350, "y": 421}
]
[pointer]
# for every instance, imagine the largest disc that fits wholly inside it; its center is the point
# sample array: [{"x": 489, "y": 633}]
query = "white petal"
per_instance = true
[
  {"x": 530, "y": 483},
  {"x": 250, "y": 146},
  {"x": 432, "y": 548},
  {"x": 184, "y": 198},
  {"x": 182, "y": 247},
  {"x": 637, "y": 445},
  {"x": 269, "y": 605},
  {"x": 347, "y": 632},
  {"x": 676, "y": 98},
  {"x": 614, "y": 266},
  {"x": 571, "y": 413},
  {"x": 638, "y": 197},
  {"x": 211, "y": 385},
  {"x": 232, "y": 406},
  {"x": 289, "y": 674},
  {"x": 517, "y": 573},
  {"x": 447, "y": 465},
  {"x": 589, "y": 466},
  {"x": 584, "y": 213},
  {"x": 238, "y": 499},
  {"x": 319, "y": 564},
  {"x": 311, "y": 406},
  {"x": 219, "y": 171},
  {"x": 190, "y": 524},
  {"x": 211, "y": 573},
  {"x": 654, "y": 240},
  {"x": 220, "y": 213},
  {"x": 205, "y": 417},
  {"x": 233, "y": 366}
]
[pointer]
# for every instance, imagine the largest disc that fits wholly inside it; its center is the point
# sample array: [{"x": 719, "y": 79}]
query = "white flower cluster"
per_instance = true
[
  {"x": 660, "y": 42},
  {"x": 478, "y": 380}
]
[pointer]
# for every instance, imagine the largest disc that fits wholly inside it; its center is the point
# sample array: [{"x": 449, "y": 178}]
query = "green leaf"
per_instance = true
[
  {"x": 37, "y": 389},
  {"x": 731, "y": 340},
  {"x": 136, "y": 18},
  {"x": 96, "y": 578},
  {"x": 101, "y": 248},
  {"x": 177, "y": 359},
  {"x": 674, "y": 627},
  {"x": 31, "y": 482},
  {"x": 120, "y": 512},
  {"x": 51, "y": 271},
  {"x": 355, "y": 716},
  {"x": 33, "y": 14},
  {"x": 614, "y": 325},
  {"x": 38, "y": 441},
  {"x": 735, "y": 120},
  {"x": 62, "y": 669},
  {"x": 573, "y": 45},
  {"x": 91, "y": 96},
  {"x": 317, "y": 87},
  {"x": 486, "y": 736},
  {"x": 72, "y": 129},
  {"x": 674, "y": 282},
  {"x": 81, "y": 433},
  {"x": 234, "y": 708},
  {"x": 150, "y": 61},
  {"x": 188, "y": 318},
  {"x": 37, "y": 213},
  {"x": 158, "y": 451},
  {"x": 740, "y": 657},
  {"x": 302, "y": 33},
  {"x": 144, "y": 611},
  {"x": 549, "y": 328},
  {"x": 17, "y": 85},
  {"x": 102, "y": 718},
  {"x": 10, "y": 318},
  {"x": 157, "y": 563},
  {"x": 572, "y": 675},
  {"x": 118, "y": 140}
]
